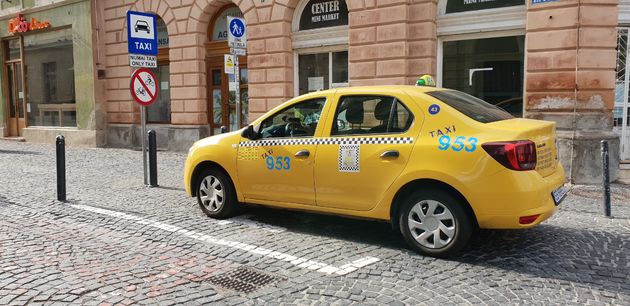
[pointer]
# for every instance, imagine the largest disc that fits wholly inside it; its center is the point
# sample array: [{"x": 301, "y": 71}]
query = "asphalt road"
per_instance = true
[{"x": 118, "y": 242}]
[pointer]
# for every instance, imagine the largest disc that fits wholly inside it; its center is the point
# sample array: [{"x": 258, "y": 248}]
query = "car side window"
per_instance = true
[
  {"x": 359, "y": 115},
  {"x": 297, "y": 120}
]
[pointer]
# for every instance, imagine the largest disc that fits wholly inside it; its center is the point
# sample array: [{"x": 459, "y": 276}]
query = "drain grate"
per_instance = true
[{"x": 244, "y": 279}]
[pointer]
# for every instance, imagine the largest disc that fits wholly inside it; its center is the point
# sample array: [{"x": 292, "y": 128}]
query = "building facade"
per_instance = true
[
  {"x": 552, "y": 60},
  {"x": 48, "y": 76}
]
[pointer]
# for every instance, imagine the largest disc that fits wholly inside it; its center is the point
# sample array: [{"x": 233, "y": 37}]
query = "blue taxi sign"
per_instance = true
[{"x": 141, "y": 33}]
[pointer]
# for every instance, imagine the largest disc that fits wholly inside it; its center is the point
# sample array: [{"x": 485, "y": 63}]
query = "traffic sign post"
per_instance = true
[
  {"x": 237, "y": 40},
  {"x": 144, "y": 89}
]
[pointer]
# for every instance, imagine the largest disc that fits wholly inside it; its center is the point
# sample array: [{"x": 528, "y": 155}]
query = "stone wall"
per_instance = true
[
  {"x": 391, "y": 42},
  {"x": 570, "y": 79}
]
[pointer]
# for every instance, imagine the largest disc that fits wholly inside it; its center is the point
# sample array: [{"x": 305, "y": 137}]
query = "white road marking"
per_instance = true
[{"x": 297, "y": 261}]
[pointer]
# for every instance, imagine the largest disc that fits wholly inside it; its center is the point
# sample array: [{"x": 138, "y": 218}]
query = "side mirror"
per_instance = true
[
  {"x": 249, "y": 133},
  {"x": 341, "y": 124}
]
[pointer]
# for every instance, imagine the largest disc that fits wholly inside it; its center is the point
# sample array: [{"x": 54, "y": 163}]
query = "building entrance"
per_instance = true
[
  {"x": 621, "y": 111},
  {"x": 16, "y": 112}
]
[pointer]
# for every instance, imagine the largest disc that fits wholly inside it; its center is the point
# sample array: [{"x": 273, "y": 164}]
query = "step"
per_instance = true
[{"x": 17, "y": 139}]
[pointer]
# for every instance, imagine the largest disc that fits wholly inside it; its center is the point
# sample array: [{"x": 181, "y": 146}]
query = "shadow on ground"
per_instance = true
[{"x": 599, "y": 259}]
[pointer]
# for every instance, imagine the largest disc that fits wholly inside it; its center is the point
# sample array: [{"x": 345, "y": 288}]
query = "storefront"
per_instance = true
[
  {"x": 48, "y": 75},
  {"x": 520, "y": 55}
]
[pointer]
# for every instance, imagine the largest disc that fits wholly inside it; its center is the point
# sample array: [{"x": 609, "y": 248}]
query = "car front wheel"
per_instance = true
[
  {"x": 216, "y": 195},
  {"x": 435, "y": 223}
]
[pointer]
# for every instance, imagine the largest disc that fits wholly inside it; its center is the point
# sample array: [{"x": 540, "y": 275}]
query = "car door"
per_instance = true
[
  {"x": 371, "y": 140},
  {"x": 278, "y": 166}
]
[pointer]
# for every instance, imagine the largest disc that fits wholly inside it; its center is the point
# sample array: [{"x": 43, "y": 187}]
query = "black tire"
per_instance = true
[
  {"x": 228, "y": 202},
  {"x": 442, "y": 203}
]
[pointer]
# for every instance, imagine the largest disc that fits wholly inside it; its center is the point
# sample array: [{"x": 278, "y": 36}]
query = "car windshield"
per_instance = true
[{"x": 470, "y": 106}]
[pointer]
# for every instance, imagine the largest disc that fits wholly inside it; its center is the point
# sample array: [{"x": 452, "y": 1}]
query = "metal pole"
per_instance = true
[
  {"x": 606, "y": 178},
  {"x": 61, "y": 168},
  {"x": 153, "y": 181},
  {"x": 143, "y": 121},
  {"x": 237, "y": 93}
]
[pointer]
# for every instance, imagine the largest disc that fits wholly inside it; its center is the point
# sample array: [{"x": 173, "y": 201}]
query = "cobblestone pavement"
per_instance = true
[{"x": 118, "y": 242}]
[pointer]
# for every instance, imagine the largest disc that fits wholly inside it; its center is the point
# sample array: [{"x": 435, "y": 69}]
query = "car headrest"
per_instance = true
[
  {"x": 354, "y": 113},
  {"x": 382, "y": 110}
]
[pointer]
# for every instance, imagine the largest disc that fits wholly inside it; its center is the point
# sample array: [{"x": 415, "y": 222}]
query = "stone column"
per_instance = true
[
  {"x": 570, "y": 79},
  {"x": 392, "y": 42}
]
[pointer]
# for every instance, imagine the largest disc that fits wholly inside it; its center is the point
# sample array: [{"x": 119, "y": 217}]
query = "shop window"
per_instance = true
[
  {"x": 315, "y": 71},
  {"x": 162, "y": 33},
  {"x": 490, "y": 69},
  {"x": 323, "y": 13},
  {"x": 13, "y": 47},
  {"x": 160, "y": 110},
  {"x": 49, "y": 73},
  {"x": 457, "y": 6}
]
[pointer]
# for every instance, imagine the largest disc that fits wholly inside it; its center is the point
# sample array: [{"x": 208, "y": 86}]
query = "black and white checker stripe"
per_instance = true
[{"x": 327, "y": 141}]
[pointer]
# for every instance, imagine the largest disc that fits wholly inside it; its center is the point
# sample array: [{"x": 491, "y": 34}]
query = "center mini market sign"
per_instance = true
[{"x": 324, "y": 13}]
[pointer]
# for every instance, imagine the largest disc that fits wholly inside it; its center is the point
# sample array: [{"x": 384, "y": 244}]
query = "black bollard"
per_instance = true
[
  {"x": 223, "y": 129},
  {"x": 606, "y": 178},
  {"x": 61, "y": 168},
  {"x": 153, "y": 181}
]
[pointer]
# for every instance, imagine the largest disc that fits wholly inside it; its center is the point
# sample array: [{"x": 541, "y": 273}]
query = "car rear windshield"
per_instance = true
[{"x": 470, "y": 106}]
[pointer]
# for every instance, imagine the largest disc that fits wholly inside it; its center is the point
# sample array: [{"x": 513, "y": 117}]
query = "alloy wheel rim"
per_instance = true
[
  {"x": 211, "y": 193},
  {"x": 431, "y": 224}
]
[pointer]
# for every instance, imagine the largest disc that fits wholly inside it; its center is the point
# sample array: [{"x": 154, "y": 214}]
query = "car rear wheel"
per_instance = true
[
  {"x": 216, "y": 195},
  {"x": 434, "y": 223}
]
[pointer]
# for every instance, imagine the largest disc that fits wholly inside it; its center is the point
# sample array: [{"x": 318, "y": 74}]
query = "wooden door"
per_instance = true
[
  {"x": 16, "y": 114},
  {"x": 222, "y": 101}
]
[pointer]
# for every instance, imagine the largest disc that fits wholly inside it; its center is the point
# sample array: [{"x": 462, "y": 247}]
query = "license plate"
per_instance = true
[{"x": 559, "y": 194}]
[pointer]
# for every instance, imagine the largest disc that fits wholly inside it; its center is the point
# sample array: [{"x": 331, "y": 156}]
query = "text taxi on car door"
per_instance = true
[{"x": 434, "y": 162}]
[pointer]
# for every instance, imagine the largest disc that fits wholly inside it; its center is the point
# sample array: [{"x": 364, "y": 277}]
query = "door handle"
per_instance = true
[
  {"x": 390, "y": 154},
  {"x": 302, "y": 153}
]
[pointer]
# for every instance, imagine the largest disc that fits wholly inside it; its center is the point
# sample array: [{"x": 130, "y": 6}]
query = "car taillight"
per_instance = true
[{"x": 515, "y": 155}]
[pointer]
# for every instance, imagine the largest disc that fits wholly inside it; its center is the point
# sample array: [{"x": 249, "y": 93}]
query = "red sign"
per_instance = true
[
  {"x": 20, "y": 25},
  {"x": 143, "y": 86}
]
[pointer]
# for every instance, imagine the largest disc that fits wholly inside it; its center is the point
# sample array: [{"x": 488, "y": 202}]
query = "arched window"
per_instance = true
[
  {"x": 320, "y": 42},
  {"x": 160, "y": 110},
  {"x": 219, "y": 28}
]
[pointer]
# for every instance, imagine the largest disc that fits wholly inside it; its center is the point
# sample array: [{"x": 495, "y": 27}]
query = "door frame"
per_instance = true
[
  {"x": 5, "y": 86},
  {"x": 214, "y": 59},
  {"x": 624, "y": 146}
]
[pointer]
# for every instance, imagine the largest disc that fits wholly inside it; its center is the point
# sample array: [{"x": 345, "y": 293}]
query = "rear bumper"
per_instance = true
[{"x": 517, "y": 194}]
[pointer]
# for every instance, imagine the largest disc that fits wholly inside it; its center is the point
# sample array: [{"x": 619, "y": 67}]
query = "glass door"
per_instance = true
[
  {"x": 16, "y": 114},
  {"x": 621, "y": 111},
  {"x": 222, "y": 106},
  {"x": 16, "y": 120},
  {"x": 489, "y": 68}
]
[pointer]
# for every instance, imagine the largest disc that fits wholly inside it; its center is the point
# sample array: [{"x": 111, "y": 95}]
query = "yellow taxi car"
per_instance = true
[{"x": 436, "y": 163}]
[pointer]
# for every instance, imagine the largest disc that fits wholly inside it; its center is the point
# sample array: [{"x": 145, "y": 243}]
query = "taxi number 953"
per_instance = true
[
  {"x": 278, "y": 163},
  {"x": 460, "y": 143}
]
